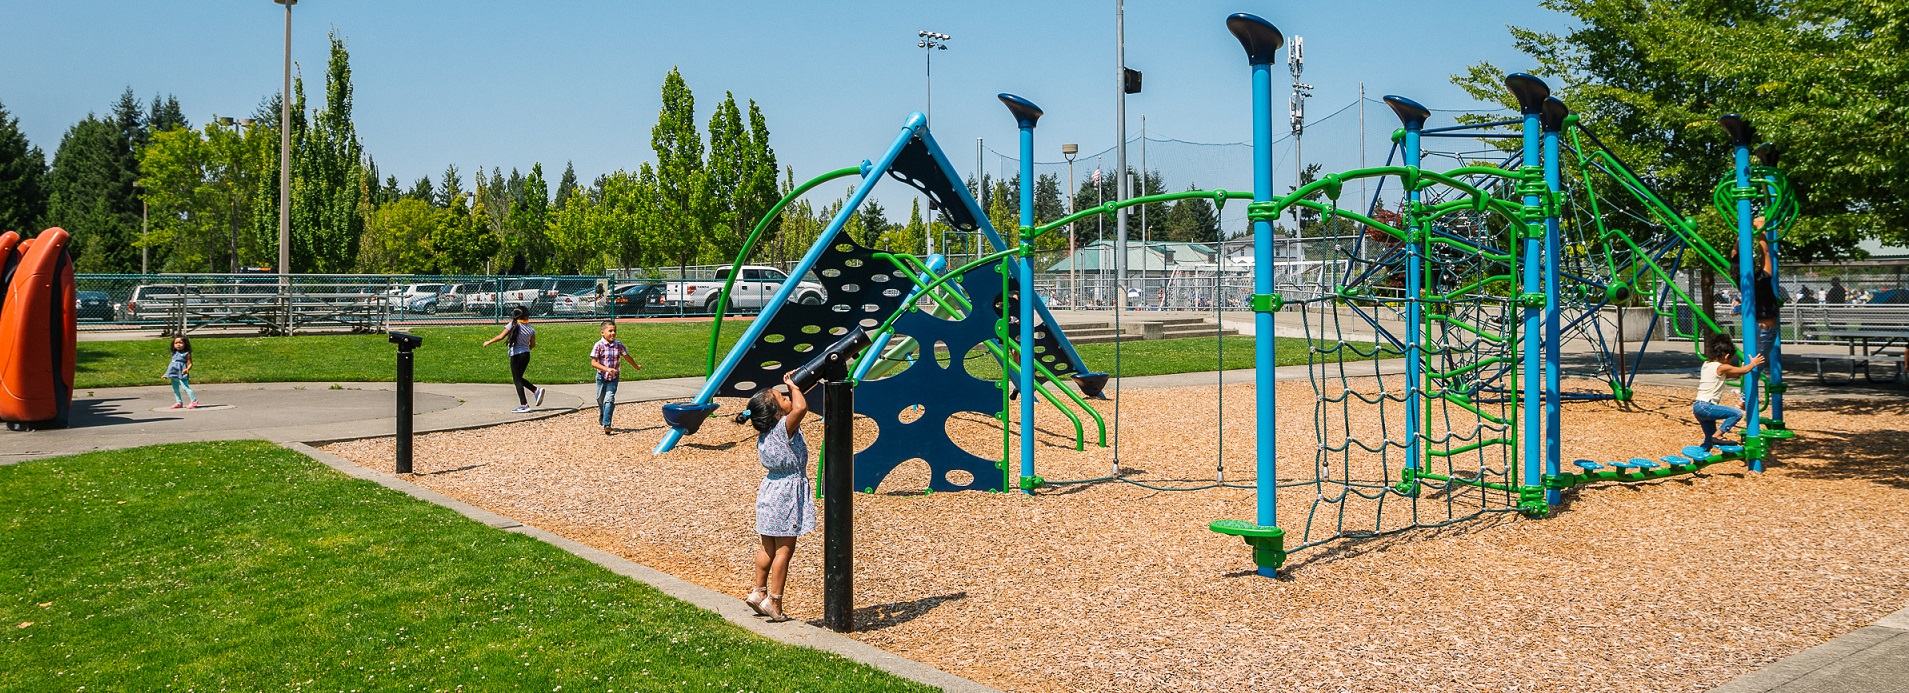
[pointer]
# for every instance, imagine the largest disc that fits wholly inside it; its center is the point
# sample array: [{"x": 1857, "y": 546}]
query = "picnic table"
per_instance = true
[{"x": 1867, "y": 347}]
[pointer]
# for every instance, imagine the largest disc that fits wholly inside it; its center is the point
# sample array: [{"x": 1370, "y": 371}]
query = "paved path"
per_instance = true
[{"x": 1875, "y": 658}]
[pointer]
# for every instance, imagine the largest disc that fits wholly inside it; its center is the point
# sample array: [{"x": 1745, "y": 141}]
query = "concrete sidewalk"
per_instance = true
[
  {"x": 1874, "y": 658},
  {"x": 124, "y": 417}
]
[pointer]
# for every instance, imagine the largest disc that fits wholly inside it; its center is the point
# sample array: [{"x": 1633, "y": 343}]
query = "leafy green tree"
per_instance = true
[
  {"x": 329, "y": 193},
  {"x": 723, "y": 174},
  {"x": 22, "y": 178},
  {"x": 399, "y": 238},
  {"x": 90, "y": 194},
  {"x": 462, "y": 244},
  {"x": 682, "y": 186},
  {"x": 199, "y": 186},
  {"x": 529, "y": 220},
  {"x": 759, "y": 192},
  {"x": 1819, "y": 78},
  {"x": 450, "y": 186},
  {"x": 1191, "y": 220}
]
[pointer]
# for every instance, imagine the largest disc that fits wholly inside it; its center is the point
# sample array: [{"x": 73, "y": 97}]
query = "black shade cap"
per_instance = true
[
  {"x": 1552, "y": 119},
  {"x": 1531, "y": 92},
  {"x": 1766, "y": 154},
  {"x": 1410, "y": 113},
  {"x": 1741, "y": 134},
  {"x": 1026, "y": 114},
  {"x": 1259, "y": 37}
]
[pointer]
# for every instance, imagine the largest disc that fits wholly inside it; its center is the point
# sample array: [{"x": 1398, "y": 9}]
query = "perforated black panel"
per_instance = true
[
  {"x": 916, "y": 167},
  {"x": 861, "y": 292}
]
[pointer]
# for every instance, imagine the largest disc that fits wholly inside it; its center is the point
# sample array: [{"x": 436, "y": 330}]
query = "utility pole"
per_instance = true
[
  {"x": 285, "y": 159},
  {"x": 1296, "y": 63},
  {"x": 1120, "y": 151}
]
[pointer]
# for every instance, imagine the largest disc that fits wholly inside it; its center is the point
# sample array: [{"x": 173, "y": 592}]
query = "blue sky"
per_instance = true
[{"x": 507, "y": 83}]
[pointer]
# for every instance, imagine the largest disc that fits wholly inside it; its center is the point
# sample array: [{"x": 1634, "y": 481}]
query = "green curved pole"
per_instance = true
[{"x": 722, "y": 299}]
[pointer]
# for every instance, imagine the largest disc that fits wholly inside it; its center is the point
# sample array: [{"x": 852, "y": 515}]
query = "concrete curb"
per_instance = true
[
  {"x": 731, "y": 608},
  {"x": 1857, "y": 661}
]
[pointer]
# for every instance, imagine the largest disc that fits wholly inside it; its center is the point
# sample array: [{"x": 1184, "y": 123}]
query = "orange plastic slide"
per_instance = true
[{"x": 38, "y": 330}]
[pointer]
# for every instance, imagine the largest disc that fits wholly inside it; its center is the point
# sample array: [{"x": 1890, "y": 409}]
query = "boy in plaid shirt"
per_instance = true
[{"x": 606, "y": 357}]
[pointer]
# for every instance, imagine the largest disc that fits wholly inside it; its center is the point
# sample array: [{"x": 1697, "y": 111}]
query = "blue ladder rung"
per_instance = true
[
  {"x": 1642, "y": 463},
  {"x": 1588, "y": 465}
]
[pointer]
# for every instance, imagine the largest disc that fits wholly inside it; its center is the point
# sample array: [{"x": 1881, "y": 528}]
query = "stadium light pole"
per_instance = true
[
  {"x": 929, "y": 42},
  {"x": 285, "y": 156}
]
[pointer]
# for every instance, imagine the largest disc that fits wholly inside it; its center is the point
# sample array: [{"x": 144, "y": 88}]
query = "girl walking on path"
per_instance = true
[
  {"x": 519, "y": 338},
  {"x": 784, "y": 510},
  {"x": 179, "y": 373},
  {"x": 1719, "y": 357}
]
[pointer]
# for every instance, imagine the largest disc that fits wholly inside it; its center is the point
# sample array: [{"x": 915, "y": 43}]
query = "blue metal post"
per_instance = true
[
  {"x": 1746, "y": 283},
  {"x": 1553, "y": 122},
  {"x": 871, "y": 176},
  {"x": 1413, "y": 116},
  {"x": 1265, "y": 401},
  {"x": 1026, "y": 116},
  {"x": 1531, "y": 93}
]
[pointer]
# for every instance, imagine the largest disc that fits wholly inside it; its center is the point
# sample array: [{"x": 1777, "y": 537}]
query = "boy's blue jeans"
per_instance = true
[
  {"x": 1710, "y": 416},
  {"x": 606, "y": 399}
]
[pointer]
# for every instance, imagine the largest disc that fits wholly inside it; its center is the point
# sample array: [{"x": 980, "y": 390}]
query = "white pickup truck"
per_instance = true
[{"x": 752, "y": 290}]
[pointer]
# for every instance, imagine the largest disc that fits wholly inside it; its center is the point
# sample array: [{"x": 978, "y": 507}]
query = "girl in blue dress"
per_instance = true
[
  {"x": 785, "y": 508},
  {"x": 179, "y": 373}
]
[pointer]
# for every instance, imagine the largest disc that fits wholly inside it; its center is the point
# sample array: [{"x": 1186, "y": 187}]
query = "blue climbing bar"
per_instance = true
[
  {"x": 1741, "y": 136},
  {"x": 1026, "y": 115},
  {"x": 1262, "y": 42},
  {"x": 1413, "y": 117},
  {"x": 1551, "y": 122},
  {"x": 1531, "y": 93}
]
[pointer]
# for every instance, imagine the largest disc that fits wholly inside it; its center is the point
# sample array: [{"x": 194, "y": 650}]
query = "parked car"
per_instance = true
[
  {"x": 579, "y": 302},
  {"x": 424, "y": 305},
  {"x": 401, "y": 297},
  {"x": 93, "y": 305},
  {"x": 155, "y": 301},
  {"x": 641, "y": 298},
  {"x": 751, "y": 292},
  {"x": 454, "y": 297}
]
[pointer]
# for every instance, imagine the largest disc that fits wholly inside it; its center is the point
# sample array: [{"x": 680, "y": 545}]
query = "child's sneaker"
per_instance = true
[
  {"x": 178, "y": 405},
  {"x": 193, "y": 405},
  {"x": 606, "y": 430},
  {"x": 524, "y": 409},
  {"x": 540, "y": 397}
]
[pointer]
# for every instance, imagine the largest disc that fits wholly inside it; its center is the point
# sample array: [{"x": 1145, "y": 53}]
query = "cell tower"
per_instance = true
[{"x": 1296, "y": 62}]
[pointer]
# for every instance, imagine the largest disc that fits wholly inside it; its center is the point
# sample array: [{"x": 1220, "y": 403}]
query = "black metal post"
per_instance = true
[
  {"x": 838, "y": 491},
  {"x": 406, "y": 343}
]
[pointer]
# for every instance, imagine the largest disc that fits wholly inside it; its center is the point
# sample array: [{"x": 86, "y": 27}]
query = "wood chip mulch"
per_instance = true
[{"x": 1676, "y": 585}]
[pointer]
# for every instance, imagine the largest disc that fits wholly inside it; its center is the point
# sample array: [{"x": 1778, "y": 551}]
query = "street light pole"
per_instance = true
[
  {"x": 285, "y": 172},
  {"x": 929, "y": 42},
  {"x": 1071, "y": 150},
  {"x": 1120, "y": 152}
]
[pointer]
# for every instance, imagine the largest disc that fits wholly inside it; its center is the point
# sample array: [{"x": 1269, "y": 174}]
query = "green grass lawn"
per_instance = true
[
  {"x": 242, "y": 565},
  {"x": 453, "y": 355}
]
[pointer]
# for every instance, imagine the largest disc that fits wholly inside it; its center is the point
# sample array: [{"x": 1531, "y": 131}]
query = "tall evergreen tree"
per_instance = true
[
  {"x": 129, "y": 120},
  {"x": 22, "y": 178},
  {"x": 566, "y": 186},
  {"x": 529, "y": 219},
  {"x": 165, "y": 115},
  {"x": 421, "y": 190},
  {"x": 90, "y": 194}
]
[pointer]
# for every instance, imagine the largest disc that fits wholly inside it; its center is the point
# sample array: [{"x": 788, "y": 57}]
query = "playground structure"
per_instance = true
[
  {"x": 38, "y": 330},
  {"x": 1490, "y": 268}
]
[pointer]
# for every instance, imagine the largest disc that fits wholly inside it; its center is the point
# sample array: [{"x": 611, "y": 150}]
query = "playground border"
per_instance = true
[
  {"x": 1858, "y": 660},
  {"x": 730, "y": 608}
]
